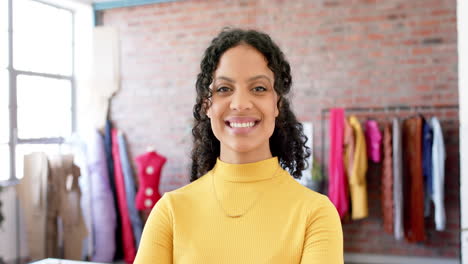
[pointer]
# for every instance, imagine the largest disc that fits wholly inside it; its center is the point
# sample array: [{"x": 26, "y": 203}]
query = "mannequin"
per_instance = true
[{"x": 149, "y": 166}]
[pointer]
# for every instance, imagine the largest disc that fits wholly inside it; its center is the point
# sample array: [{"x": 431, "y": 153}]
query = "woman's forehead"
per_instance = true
[{"x": 243, "y": 63}]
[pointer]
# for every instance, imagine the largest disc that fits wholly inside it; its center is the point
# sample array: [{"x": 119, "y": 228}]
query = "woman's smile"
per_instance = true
[{"x": 241, "y": 125}]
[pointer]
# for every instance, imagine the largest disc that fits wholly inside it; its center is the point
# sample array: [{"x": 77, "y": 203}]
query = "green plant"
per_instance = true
[{"x": 317, "y": 174}]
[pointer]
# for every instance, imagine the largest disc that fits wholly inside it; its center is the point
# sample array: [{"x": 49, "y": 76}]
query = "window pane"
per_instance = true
[
  {"x": 42, "y": 38},
  {"x": 4, "y": 115},
  {"x": 3, "y": 33},
  {"x": 24, "y": 149},
  {"x": 3, "y": 15},
  {"x": 3, "y": 49},
  {"x": 44, "y": 107},
  {"x": 4, "y": 162}
]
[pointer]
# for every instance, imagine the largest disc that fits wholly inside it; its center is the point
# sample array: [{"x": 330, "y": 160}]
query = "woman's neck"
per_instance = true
[{"x": 228, "y": 155}]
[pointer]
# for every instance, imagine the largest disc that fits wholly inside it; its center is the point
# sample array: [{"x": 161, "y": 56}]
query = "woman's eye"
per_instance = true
[
  {"x": 222, "y": 89},
  {"x": 259, "y": 89}
]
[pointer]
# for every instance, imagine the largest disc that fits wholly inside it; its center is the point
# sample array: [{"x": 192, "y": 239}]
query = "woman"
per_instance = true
[{"x": 242, "y": 206}]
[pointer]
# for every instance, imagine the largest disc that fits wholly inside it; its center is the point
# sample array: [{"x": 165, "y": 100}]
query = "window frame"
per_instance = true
[{"x": 13, "y": 103}]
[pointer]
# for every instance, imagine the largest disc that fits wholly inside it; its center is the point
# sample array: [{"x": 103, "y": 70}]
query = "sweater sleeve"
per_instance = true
[
  {"x": 324, "y": 236},
  {"x": 156, "y": 240}
]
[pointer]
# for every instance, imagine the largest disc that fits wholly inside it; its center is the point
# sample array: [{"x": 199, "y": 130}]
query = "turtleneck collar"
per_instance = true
[{"x": 247, "y": 172}]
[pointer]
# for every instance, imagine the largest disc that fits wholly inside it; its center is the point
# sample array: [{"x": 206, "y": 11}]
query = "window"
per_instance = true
[
  {"x": 4, "y": 94},
  {"x": 36, "y": 81}
]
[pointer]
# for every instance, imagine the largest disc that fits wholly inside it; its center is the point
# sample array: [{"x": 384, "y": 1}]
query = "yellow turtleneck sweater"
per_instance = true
[{"x": 282, "y": 221}]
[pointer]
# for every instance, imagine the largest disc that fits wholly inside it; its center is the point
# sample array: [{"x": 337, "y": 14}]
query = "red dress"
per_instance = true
[
  {"x": 127, "y": 231},
  {"x": 149, "y": 167}
]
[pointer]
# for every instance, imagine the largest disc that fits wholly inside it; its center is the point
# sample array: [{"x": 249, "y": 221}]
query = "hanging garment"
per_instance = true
[
  {"x": 80, "y": 159},
  {"x": 413, "y": 180},
  {"x": 397, "y": 180},
  {"x": 387, "y": 180},
  {"x": 67, "y": 215},
  {"x": 110, "y": 169},
  {"x": 438, "y": 174},
  {"x": 56, "y": 181},
  {"x": 348, "y": 156},
  {"x": 103, "y": 204},
  {"x": 427, "y": 166},
  {"x": 349, "y": 148},
  {"x": 357, "y": 182},
  {"x": 127, "y": 232},
  {"x": 74, "y": 227},
  {"x": 337, "y": 183},
  {"x": 149, "y": 166},
  {"x": 32, "y": 193},
  {"x": 374, "y": 140},
  {"x": 137, "y": 225}
]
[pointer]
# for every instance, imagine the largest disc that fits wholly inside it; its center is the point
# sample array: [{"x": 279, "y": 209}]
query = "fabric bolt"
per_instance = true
[
  {"x": 110, "y": 169},
  {"x": 358, "y": 182},
  {"x": 374, "y": 140},
  {"x": 128, "y": 240},
  {"x": 32, "y": 193},
  {"x": 103, "y": 204},
  {"x": 397, "y": 180},
  {"x": 288, "y": 223},
  {"x": 130, "y": 187},
  {"x": 427, "y": 166},
  {"x": 149, "y": 167},
  {"x": 413, "y": 180},
  {"x": 337, "y": 184},
  {"x": 438, "y": 174},
  {"x": 387, "y": 181}
]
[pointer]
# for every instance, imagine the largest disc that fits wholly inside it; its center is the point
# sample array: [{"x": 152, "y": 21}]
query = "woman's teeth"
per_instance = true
[{"x": 249, "y": 124}]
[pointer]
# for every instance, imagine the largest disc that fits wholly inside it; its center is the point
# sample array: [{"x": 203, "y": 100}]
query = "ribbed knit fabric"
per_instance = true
[{"x": 288, "y": 223}]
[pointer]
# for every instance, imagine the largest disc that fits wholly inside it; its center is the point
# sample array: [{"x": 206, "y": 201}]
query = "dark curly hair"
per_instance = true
[{"x": 288, "y": 139}]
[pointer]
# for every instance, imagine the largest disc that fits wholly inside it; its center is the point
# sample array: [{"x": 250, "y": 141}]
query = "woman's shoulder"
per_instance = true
[
  {"x": 191, "y": 190},
  {"x": 306, "y": 195}
]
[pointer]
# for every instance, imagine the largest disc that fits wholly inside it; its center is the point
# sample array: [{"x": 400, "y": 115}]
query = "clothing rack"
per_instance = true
[{"x": 385, "y": 109}]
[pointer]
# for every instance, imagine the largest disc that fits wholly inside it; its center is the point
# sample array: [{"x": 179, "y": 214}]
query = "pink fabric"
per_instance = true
[
  {"x": 374, "y": 140},
  {"x": 127, "y": 232},
  {"x": 337, "y": 183}
]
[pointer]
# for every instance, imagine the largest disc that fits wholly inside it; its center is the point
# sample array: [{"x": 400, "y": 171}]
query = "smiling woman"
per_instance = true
[{"x": 243, "y": 206}]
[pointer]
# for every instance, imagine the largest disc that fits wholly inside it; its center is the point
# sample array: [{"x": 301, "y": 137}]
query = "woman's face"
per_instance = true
[{"x": 243, "y": 108}]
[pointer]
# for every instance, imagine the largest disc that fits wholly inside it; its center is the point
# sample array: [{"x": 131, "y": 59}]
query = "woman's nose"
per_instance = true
[{"x": 241, "y": 101}]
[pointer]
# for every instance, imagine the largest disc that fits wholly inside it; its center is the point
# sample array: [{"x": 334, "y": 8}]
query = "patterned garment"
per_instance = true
[{"x": 387, "y": 180}]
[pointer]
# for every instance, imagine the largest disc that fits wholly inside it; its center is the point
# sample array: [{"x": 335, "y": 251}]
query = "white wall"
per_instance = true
[
  {"x": 8, "y": 232},
  {"x": 462, "y": 11}
]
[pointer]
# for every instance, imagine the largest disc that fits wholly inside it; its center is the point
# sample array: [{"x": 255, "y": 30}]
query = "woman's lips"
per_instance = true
[{"x": 241, "y": 130}]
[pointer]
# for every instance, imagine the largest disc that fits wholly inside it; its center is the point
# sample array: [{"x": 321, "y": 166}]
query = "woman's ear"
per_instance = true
[
  {"x": 206, "y": 106},
  {"x": 278, "y": 107}
]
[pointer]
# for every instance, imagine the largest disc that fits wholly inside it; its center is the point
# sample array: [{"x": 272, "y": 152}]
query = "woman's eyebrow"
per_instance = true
[
  {"x": 251, "y": 79},
  {"x": 225, "y": 78},
  {"x": 259, "y": 77}
]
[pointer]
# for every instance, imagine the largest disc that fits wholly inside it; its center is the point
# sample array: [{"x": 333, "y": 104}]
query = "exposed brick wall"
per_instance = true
[{"x": 359, "y": 53}]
